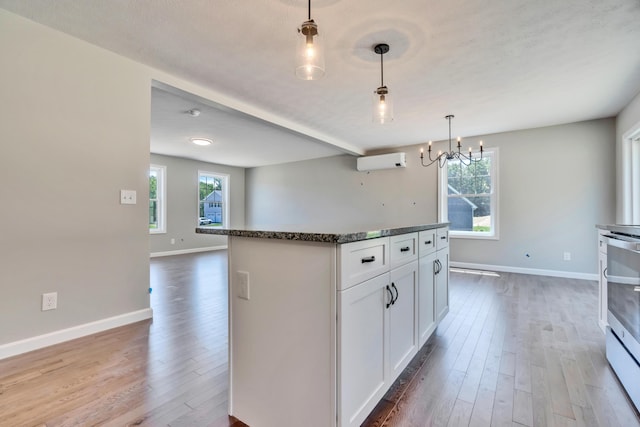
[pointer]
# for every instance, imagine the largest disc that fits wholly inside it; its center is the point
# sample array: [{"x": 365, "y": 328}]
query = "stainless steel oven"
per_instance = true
[{"x": 623, "y": 305}]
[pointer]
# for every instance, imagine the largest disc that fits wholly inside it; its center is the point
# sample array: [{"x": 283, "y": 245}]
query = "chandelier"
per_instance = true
[{"x": 442, "y": 158}]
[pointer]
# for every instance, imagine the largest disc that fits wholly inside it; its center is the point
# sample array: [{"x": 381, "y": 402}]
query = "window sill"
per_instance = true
[
  {"x": 454, "y": 235},
  {"x": 157, "y": 231}
]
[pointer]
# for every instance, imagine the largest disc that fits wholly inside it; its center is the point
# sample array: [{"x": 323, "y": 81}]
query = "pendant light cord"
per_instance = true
[
  {"x": 381, "y": 71},
  {"x": 449, "y": 133},
  {"x": 309, "y": 10}
]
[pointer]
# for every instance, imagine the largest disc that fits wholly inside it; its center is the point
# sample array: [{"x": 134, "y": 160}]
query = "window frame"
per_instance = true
[
  {"x": 225, "y": 178},
  {"x": 630, "y": 171},
  {"x": 161, "y": 198},
  {"x": 443, "y": 196}
]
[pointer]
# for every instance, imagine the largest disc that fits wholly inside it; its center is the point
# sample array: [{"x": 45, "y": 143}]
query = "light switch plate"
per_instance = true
[
  {"x": 127, "y": 197},
  {"x": 242, "y": 284}
]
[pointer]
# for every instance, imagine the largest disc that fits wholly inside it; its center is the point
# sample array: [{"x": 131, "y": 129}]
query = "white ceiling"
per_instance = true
[{"x": 498, "y": 65}]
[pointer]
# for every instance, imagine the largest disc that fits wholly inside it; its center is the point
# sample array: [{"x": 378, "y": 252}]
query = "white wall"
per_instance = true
[
  {"x": 556, "y": 184},
  {"x": 329, "y": 194},
  {"x": 628, "y": 119},
  {"x": 74, "y": 130},
  {"x": 182, "y": 204}
]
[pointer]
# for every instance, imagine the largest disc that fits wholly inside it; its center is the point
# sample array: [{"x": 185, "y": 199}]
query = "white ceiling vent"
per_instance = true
[{"x": 383, "y": 161}]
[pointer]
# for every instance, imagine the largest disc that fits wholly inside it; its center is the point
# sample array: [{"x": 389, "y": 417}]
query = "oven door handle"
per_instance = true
[{"x": 622, "y": 244}]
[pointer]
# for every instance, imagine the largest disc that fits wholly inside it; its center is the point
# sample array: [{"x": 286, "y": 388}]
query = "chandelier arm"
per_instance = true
[
  {"x": 432, "y": 161},
  {"x": 442, "y": 160}
]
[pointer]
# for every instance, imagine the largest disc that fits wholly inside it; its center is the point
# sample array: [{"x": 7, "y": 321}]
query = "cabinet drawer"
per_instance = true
[
  {"x": 427, "y": 242},
  {"x": 360, "y": 261},
  {"x": 404, "y": 249},
  {"x": 442, "y": 238}
]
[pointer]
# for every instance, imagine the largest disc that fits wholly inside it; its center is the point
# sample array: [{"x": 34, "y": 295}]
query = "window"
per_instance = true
[
  {"x": 635, "y": 180},
  {"x": 630, "y": 173},
  {"x": 157, "y": 199},
  {"x": 214, "y": 199},
  {"x": 469, "y": 196}
]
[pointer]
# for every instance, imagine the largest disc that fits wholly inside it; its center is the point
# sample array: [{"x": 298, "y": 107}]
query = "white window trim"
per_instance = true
[
  {"x": 630, "y": 175},
  {"x": 226, "y": 189},
  {"x": 443, "y": 215},
  {"x": 161, "y": 191}
]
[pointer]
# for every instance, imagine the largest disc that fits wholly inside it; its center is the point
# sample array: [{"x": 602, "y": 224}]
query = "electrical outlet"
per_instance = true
[
  {"x": 49, "y": 301},
  {"x": 243, "y": 284},
  {"x": 567, "y": 256},
  {"x": 127, "y": 197}
]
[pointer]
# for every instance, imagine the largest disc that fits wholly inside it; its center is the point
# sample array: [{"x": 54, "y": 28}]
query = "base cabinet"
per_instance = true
[
  {"x": 378, "y": 337},
  {"x": 426, "y": 292},
  {"x": 363, "y": 342},
  {"x": 441, "y": 274},
  {"x": 403, "y": 313},
  {"x": 442, "y": 284},
  {"x": 336, "y": 324}
]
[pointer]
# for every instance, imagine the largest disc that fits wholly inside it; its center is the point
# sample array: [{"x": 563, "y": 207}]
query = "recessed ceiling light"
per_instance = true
[
  {"x": 201, "y": 141},
  {"x": 194, "y": 113}
]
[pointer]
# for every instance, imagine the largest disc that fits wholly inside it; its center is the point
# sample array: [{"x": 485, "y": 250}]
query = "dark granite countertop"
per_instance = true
[
  {"x": 633, "y": 230},
  {"x": 297, "y": 233}
]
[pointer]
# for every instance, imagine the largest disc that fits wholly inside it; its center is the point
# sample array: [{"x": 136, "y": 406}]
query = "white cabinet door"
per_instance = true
[
  {"x": 363, "y": 324},
  {"x": 426, "y": 294},
  {"x": 403, "y": 316},
  {"x": 442, "y": 283}
]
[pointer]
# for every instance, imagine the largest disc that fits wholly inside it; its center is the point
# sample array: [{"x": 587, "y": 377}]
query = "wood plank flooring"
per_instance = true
[
  {"x": 515, "y": 350},
  {"x": 169, "y": 371}
]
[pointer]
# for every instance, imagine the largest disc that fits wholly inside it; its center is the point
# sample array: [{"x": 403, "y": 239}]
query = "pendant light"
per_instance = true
[
  {"x": 310, "y": 52},
  {"x": 442, "y": 158},
  {"x": 382, "y": 101}
]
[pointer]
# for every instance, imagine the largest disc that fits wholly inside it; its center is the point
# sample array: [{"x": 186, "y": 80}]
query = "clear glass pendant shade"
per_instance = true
[
  {"x": 382, "y": 105},
  {"x": 309, "y": 52}
]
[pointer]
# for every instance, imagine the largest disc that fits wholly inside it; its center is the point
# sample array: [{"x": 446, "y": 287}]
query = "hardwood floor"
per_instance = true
[
  {"x": 514, "y": 350},
  {"x": 169, "y": 371}
]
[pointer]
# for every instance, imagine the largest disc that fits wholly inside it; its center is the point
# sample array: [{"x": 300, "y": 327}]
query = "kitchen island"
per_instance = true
[{"x": 322, "y": 323}]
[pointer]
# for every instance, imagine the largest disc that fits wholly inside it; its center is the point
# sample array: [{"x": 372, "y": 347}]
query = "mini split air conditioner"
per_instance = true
[{"x": 383, "y": 161}]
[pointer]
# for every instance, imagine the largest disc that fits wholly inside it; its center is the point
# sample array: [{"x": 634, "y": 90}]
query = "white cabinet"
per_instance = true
[
  {"x": 426, "y": 292},
  {"x": 377, "y": 323},
  {"x": 403, "y": 316},
  {"x": 362, "y": 260},
  {"x": 378, "y": 337},
  {"x": 602, "y": 280},
  {"x": 433, "y": 289},
  {"x": 336, "y": 323},
  {"x": 442, "y": 274},
  {"x": 442, "y": 284},
  {"x": 404, "y": 248},
  {"x": 363, "y": 331}
]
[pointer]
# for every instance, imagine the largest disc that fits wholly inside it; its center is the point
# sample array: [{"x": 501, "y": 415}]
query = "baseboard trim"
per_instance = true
[
  {"x": 187, "y": 251},
  {"x": 57, "y": 337},
  {"x": 533, "y": 271}
]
